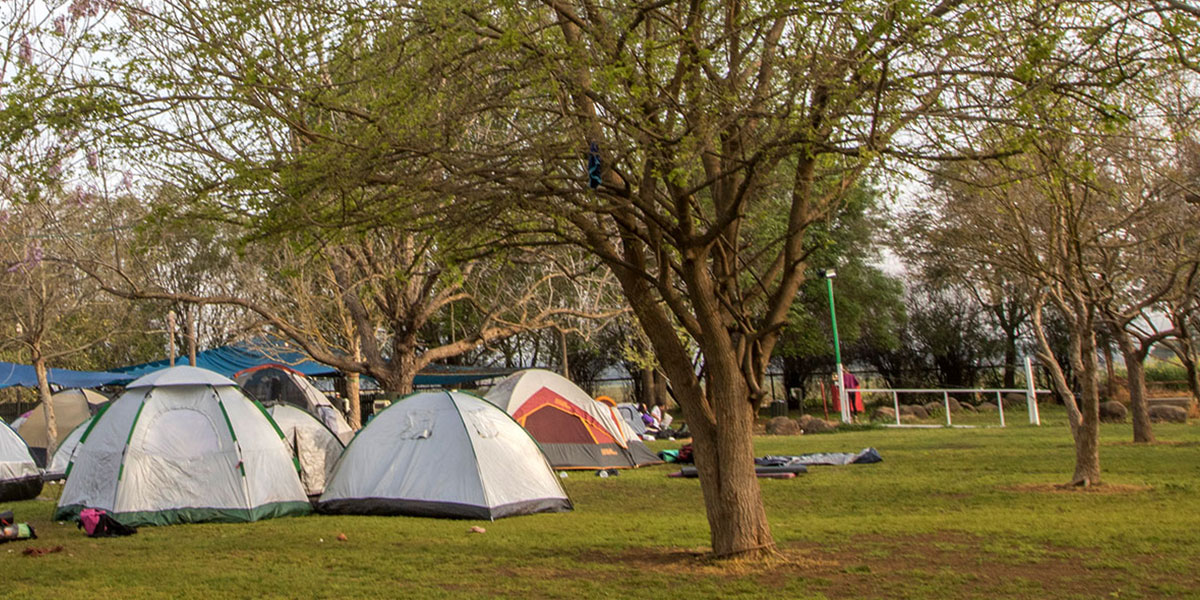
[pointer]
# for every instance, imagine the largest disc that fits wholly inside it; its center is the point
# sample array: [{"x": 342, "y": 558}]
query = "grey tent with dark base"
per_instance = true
[
  {"x": 19, "y": 476},
  {"x": 443, "y": 454}
]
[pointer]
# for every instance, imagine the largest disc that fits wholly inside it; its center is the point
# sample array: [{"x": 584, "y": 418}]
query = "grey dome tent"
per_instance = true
[
  {"x": 71, "y": 407},
  {"x": 274, "y": 384},
  {"x": 633, "y": 418},
  {"x": 443, "y": 454},
  {"x": 19, "y": 476},
  {"x": 312, "y": 444},
  {"x": 183, "y": 445}
]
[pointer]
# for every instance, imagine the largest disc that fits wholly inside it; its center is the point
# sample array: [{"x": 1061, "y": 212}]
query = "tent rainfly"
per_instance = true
[
  {"x": 443, "y": 454},
  {"x": 71, "y": 407},
  {"x": 312, "y": 444},
  {"x": 575, "y": 431},
  {"x": 273, "y": 384},
  {"x": 19, "y": 476},
  {"x": 183, "y": 445}
]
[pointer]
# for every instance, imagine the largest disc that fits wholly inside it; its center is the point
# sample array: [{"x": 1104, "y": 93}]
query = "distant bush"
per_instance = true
[{"x": 1163, "y": 371}]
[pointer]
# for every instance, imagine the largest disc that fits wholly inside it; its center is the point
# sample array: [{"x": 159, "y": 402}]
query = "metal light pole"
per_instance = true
[{"x": 828, "y": 275}]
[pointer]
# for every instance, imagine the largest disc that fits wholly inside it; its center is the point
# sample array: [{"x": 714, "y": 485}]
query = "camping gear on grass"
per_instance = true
[
  {"x": 11, "y": 531},
  {"x": 788, "y": 472},
  {"x": 183, "y": 445},
  {"x": 312, "y": 444},
  {"x": 19, "y": 476},
  {"x": 574, "y": 431},
  {"x": 864, "y": 457},
  {"x": 443, "y": 454},
  {"x": 98, "y": 523},
  {"x": 71, "y": 407},
  {"x": 277, "y": 384},
  {"x": 16, "y": 532}
]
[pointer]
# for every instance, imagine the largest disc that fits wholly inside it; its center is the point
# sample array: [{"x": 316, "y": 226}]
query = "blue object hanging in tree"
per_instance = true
[{"x": 593, "y": 166}]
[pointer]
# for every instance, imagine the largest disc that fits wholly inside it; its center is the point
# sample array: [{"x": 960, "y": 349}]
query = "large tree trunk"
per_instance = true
[
  {"x": 43, "y": 383},
  {"x": 721, "y": 419},
  {"x": 1083, "y": 414},
  {"x": 725, "y": 460},
  {"x": 649, "y": 394},
  {"x": 397, "y": 380},
  {"x": 189, "y": 329},
  {"x": 660, "y": 394},
  {"x": 354, "y": 400},
  {"x": 1186, "y": 352},
  {"x": 1010, "y": 359},
  {"x": 354, "y": 388},
  {"x": 1135, "y": 371},
  {"x": 1110, "y": 370},
  {"x": 1087, "y": 433}
]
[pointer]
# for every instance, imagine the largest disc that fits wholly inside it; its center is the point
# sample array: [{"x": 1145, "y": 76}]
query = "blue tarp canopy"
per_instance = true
[
  {"x": 228, "y": 360},
  {"x": 12, "y": 374}
]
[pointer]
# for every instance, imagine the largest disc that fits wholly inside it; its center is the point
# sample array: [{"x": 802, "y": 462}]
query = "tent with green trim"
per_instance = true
[
  {"x": 313, "y": 444},
  {"x": 57, "y": 469},
  {"x": 443, "y": 454},
  {"x": 19, "y": 476},
  {"x": 183, "y": 445}
]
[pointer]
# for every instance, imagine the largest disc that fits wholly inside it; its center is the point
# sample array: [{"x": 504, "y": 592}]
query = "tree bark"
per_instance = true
[
  {"x": 660, "y": 395},
  {"x": 354, "y": 390},
  {"x": 562, "y": 340},
  {"x": 1110, "y": 384},
  {"x": 1087, "y": 434},
  {"x": 724, "y": 458},
  {"x": 1010, "y": 359},
  {"x": 190, "y": 332},
  {"x": 649, "y": 393},
  {"x": 1185, "y": 350},
  {"x": 43, "y": 383},
  {"x": 1135, "y": 372},
  {"x": 1083, "y": 413}
]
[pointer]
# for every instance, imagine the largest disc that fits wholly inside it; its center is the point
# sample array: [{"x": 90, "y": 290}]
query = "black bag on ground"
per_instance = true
[{"x": 97, "y": 523}]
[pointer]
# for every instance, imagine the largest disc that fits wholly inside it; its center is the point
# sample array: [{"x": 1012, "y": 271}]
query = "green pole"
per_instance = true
[
  {"x": 837, "y": 347},
  {"x": 843, "y": 397}
]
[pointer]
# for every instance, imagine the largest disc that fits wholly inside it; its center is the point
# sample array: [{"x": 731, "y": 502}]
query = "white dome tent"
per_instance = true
[
  {"x": 19, "y": 476},
  {"x": 312, "y": 444},
  {"x": 183, "y": 445},
  {"x": 443, "y": 454}
]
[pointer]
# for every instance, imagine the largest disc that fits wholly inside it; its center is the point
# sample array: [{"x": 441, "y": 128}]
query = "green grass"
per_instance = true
[{"x": 950, "y": 513}]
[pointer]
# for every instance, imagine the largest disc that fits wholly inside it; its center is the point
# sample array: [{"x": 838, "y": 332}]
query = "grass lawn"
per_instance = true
[{"x": 950, "y": 513}]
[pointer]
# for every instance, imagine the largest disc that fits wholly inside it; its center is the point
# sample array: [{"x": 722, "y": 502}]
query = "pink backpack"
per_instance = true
[
  {"x": 89, "y": 518},
  {"x": 98, "y": 523}
]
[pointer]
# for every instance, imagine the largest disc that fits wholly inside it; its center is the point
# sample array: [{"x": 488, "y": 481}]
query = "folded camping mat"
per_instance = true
[{"x": 865, "y": 457}]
